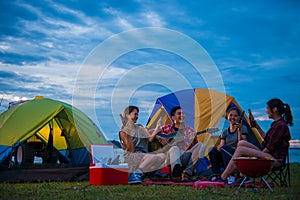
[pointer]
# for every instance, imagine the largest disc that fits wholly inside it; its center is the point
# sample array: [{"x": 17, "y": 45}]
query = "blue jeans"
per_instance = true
[{"x": 218, "y": 159}]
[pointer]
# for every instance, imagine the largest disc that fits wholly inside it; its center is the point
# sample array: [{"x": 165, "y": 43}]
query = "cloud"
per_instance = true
[
  {"x": 54, "y": 81},
  {"x": 52, "y": 36},
  {"x": 43, "y": 43},
  {"x": 263, "y": 118},
  {"x": 153, "y": 19},
  {"x": 4, "y": 47}
]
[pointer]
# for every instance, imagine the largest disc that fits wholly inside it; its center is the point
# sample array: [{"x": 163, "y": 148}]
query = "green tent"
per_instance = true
[{"x": 53, "y": 130}]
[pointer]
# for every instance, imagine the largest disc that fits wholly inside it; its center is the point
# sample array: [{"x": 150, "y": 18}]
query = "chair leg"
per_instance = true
[
  {"x": 288, "y": 175},
  {"x": 264, "y": 180},
  {"x": 242, "y": 183}
]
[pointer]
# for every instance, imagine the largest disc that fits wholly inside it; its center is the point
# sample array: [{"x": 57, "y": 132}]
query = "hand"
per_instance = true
[
  {"x": 238, "y": 125},
  {"x": 162, "y": 140},
  {"x": 123, "y": 120},
  {"x": 159, "y": 124},
  {"x": 219, "y": 147},
  {"x": 191, "y": 137}
]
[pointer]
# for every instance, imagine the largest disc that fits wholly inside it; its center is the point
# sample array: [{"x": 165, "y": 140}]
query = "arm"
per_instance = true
[
  {"x": 243, "y": 133},
  {"x": 126, "y": 140},
  {"x": 239, "y": 134},
  {"x": 156, "y": 130},
  {"x": 244, "y": 137},
  {"x": 222, "y": 143}
]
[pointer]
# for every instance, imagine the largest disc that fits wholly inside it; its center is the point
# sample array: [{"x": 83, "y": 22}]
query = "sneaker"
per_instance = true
[
  {"x": 186, "y": 177},
  {"x": 214, "y": 177},
  {"x": 219, "y": 179},
  {"x": 177, "y": 171},
  {"x": 135, "y": 178}
]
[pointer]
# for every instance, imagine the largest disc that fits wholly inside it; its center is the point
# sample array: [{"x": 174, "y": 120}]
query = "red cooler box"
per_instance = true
[
  {"x": 108, "y": 174},
  {"x": 103, "y": 174}
]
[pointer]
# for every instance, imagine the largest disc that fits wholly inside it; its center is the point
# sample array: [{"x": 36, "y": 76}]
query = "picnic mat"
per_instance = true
[
  {"x": 204, "y": 184},
  {"x": 194, "y": 184},
  {"x": 167, "y": 182}
]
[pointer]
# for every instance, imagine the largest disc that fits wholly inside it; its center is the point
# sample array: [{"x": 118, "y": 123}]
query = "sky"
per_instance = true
[{"x": 101, "y": 56}]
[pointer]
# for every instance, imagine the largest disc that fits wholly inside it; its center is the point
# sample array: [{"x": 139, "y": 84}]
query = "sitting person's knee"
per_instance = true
[
  {"x": 174, "y": 148},
  {"x": 242, "y": 143}
]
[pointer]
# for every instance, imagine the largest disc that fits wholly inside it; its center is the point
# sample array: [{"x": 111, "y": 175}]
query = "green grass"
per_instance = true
[{"x": 82, "y": 190}]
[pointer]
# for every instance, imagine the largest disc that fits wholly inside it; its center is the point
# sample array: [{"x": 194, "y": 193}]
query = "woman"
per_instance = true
[
  {"x": 134, "y": 140},
  {"x": 276, "y": 141},
  {"x": 229, "y": 140}
]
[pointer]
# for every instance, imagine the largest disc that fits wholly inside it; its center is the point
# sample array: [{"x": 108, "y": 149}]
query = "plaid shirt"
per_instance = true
[
  {"x": 186, "y": 144},
  {"x": 277, "y": 140}
]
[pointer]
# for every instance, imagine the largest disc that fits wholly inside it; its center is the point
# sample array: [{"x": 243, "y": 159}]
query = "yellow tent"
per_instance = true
[{"x": 203, "y": 109}]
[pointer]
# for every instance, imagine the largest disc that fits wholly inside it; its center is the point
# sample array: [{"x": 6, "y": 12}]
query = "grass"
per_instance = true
[{"x": 82, "y": 190}]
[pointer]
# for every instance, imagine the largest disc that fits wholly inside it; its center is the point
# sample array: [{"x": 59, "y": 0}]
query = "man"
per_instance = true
[{"x": 184, "y": 155}]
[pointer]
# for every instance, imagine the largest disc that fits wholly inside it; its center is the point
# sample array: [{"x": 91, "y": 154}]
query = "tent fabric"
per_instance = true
[
  {"x": 44, "y": 174},
  {"x": 203, "y": 109},
  {"x": 72, "y": 130}
]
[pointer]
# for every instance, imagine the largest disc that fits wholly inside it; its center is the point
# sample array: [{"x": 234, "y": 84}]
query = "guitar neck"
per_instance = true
[
  {"x": 201, "y": 132},
  {"x": 173, "y": 134}
]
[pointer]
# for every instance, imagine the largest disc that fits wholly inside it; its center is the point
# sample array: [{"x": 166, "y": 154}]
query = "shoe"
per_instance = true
[
  {"x": 219, "y": 179},
  {"x": 177, "y": 171},
  {"x": 214, "y": 177},
  {"x": 135, "y": 178},
  {"x": 186, "y": 177}
]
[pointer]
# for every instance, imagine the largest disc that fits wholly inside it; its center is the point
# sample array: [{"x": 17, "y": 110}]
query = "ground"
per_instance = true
[{"x": 82, "y": 190}]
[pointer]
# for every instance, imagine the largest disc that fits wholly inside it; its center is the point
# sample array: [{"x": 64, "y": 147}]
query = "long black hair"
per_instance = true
[{"x": 283, "y": 109}]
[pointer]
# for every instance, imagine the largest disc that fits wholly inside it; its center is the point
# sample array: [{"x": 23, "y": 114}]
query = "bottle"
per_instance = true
[{"x": 251, "y": 119}]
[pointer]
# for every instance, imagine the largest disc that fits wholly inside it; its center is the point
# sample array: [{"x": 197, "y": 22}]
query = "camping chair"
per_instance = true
[
  {"x": 253, "y": 168},
  {"x": 281, "y": 175}
]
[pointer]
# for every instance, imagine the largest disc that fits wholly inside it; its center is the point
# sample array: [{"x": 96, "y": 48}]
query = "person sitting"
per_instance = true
[
  {"x": 183, "y": 156},
  {"x": 134, "y": 141},
  {"x": 229, "y": 139},
  {"x": 276, "y": 141}
]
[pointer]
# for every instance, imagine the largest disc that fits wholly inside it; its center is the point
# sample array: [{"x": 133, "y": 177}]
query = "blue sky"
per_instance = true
[{"x": 254, "y": 45}]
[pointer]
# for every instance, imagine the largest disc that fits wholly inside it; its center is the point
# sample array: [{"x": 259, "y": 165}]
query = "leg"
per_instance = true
[
  {"x": 247, "y": 144},
  {"x": 226, "y": 150},
  {"x": 192, "y": 157},
  {"x": 215, "y": 160},
  {"x": 173, "y": 157},
  {"x": 242, "y": 151},
  {"x": 187, "y": 163},
  {"x": 152, "y": 162}
]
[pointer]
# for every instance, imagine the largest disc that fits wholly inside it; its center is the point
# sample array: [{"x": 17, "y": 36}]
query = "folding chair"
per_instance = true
[{"x": 281, "y": 175}]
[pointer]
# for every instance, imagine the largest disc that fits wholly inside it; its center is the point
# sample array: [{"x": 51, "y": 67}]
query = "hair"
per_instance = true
[
  {"x": 126, "y": 112},
  {"x": 174, "y": 109},
  {"x": 231, "y": 109},
  {"x": 129, "y": 110},
  {"x": 283, "y": 110}
]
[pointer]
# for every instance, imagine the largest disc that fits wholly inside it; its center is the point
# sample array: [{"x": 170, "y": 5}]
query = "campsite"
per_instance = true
[
  {"x": 142, "y": 99},
  {"x": 63, "y": 176}
]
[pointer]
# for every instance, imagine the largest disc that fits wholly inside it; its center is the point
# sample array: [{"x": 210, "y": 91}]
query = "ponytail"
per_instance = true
[
  {"x": 283, "y": 109},
  {"x": 288, "y": 114}
]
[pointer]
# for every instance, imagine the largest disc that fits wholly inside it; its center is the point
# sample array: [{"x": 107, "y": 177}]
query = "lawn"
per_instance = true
[{"x": 82, "y": 190}]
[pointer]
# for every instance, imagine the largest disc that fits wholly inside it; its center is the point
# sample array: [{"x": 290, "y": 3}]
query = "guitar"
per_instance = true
[{"x": 176, "y": 137}]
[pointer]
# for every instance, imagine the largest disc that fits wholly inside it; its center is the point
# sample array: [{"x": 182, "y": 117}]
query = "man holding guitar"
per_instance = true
[{"x": 185, "y": 151}]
